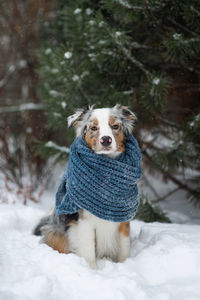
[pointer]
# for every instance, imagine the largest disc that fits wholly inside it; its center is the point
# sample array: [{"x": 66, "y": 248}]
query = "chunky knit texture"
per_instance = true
[{"x": 104, "y": 186}]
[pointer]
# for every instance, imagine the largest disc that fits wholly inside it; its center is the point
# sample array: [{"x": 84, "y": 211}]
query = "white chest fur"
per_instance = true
[{"x": 94, "y": 238}]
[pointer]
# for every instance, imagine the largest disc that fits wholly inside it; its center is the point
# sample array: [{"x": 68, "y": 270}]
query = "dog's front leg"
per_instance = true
[
  {"x": 86, "y": 242},
  {"x": 124, "y": 241}
]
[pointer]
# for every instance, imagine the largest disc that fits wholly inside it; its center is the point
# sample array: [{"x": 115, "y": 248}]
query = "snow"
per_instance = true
[
  {"x": 118, "y": 33},
  {"x": 53, "y": 145},
  {"x": 22, "y": 63},
  {"x": 77, "y": 11},
  {"x": 75, "y": 77},
  {"x": 164, "y": 264},
  {"x": 85, "y": 73},
  {"x": 91, "y": 22},
  {"x": 48, "y": 51},
  {"x": 102, "y": 42},
  {"x": 88, "y": 11},
  {"x": 29, "y": 130},
  {"x": 195, "y": 121},
  {"x": 54, "y": 93},
  {"x": 68, "y": 55},
  {"x": 125, "y": 4},
  {"x": 22, "y": 107},
  {"x": 11, "y": 68},
  {"x": 156, "y": 81},
  {"x": 101, "y": 24},
  {"x": 63, "y": 104},
  {"x": 54, "y": 71},
  {"x": 176, "y": 36}
]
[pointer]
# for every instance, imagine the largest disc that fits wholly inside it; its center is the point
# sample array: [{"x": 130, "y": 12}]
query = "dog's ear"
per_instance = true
[
  {"x": 127, "y": 117},
  {"x": 79, "y": 119}
]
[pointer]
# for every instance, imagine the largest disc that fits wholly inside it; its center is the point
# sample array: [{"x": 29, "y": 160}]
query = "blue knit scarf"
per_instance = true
[{"x": 105, "y": 187}]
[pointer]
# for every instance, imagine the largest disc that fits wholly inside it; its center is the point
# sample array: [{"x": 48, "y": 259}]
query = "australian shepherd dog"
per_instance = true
[{"x": 82, "y": 233}]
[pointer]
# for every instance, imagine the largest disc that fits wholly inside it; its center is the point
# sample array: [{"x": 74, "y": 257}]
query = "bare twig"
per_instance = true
[
  {"x": 166, "y": 196},
  {"x": 167, "y": 122}
]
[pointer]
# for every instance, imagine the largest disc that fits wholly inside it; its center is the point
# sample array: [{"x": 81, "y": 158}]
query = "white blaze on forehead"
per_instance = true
[{"x": 103, "y": 116}]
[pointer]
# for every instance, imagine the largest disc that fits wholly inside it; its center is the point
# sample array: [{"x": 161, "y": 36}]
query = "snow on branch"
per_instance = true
[
  {"x": 195, "y": 10},
  {"x": 136, "y": 45},
  {"x": 53, "y": 145},
  {"x": 127, "y": 5},
  {"x": 22, "y": 107}
]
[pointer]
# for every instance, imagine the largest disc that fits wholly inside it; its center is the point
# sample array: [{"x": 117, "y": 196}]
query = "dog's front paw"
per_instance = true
[{"x": 93, "y": 265}]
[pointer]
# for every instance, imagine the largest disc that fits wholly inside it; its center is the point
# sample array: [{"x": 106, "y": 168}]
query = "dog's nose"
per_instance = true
[{"x": 106, "y": 140}]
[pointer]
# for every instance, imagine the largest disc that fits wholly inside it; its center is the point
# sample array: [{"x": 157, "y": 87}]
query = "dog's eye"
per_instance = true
[
  {"x": 116, "y": 126},
  {"x": 93, "y": 128}
]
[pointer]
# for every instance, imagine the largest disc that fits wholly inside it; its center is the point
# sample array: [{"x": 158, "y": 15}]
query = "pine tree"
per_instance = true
[{"x": 144, "y": 54}]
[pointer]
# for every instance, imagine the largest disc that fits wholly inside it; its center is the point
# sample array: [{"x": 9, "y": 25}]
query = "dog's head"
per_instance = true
[{"x": 104, "y": 129}]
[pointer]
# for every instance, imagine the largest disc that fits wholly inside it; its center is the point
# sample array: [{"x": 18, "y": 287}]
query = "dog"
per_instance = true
[{"x": 82, "y": 233}]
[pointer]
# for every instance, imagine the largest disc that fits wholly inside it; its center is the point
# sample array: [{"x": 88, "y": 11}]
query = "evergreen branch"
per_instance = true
[
  {"x": 167, "y": 122},
  {"x": 128, "y": 5},
  {"x": 188, "y": 87},
  {"x": 179, "y": 183},
  {"x": 182, "y": 27},
  {"x": 176, "y": 66},
  {"x": 21, "y": 108},
  {"x": 195, "y": 10},
  {"x": 192, "y": 40},
  {"x": 166, "y": 195},
  {"x": 84, "y": 95},
  {"x": 133, "y": 59},
  {"x": 149, "y": 9},
  {"x": 171, "y": 177}
]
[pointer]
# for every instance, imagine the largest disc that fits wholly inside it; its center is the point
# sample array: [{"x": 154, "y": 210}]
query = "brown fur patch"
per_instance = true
[
  {"x": 118, "y": 134},
  {"x": 124, "y": 228},
  {"x": 75, "y": 123},
  {"x": 112, "y": 120},
  {"x": 130, "y": 115},
  {"x": 92, "y": 136},
  {"x": 57, "y": 241}
]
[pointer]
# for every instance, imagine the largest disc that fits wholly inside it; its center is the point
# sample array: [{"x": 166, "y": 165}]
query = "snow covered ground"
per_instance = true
[{"x": 164, "y": 264}]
